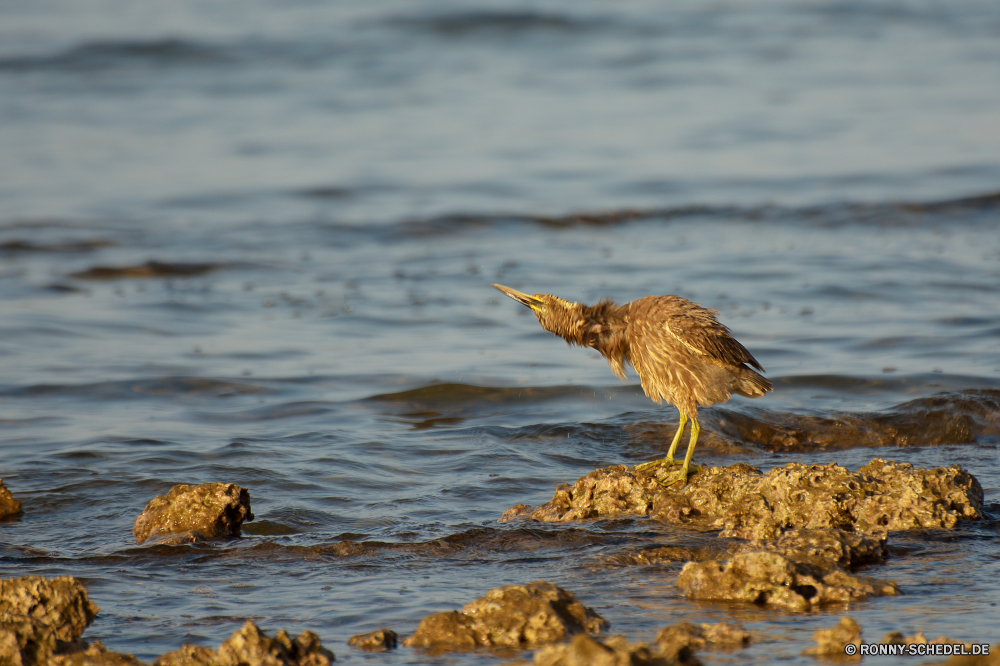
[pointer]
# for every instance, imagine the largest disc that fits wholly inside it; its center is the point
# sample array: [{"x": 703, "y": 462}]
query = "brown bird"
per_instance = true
[{"x": 680, "y": 351}]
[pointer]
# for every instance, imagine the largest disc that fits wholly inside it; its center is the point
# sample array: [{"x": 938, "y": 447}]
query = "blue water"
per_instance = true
[{"x": 329, "y": 190}]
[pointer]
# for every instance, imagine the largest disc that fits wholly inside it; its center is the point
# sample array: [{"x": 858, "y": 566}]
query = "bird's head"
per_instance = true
[{"x": 554, "y": 314}]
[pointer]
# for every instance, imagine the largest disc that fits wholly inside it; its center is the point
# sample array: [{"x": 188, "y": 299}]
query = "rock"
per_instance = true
[
  {"x": 9, "y": 507},
  {"x": 660, "y": 554},
  {"x": 198, "y": 512},
  {"x": 991, "y": 659},
  {"x": 250, "y": 647},
  {"x": 94, "y": 654},
  {"x": 802, "y": 569},
  {"x": 38, "y": 615},
  {"x": 514, "y": 616},
  {"x": 584, "y": 650},
  {"x": 382, "y": 640},
  {"x": 739, "y": 500},
  {"x": 831, "y": 642},
  {"x": 719, "y": 636}
]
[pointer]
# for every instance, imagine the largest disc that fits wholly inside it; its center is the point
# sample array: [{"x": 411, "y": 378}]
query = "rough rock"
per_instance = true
[
  {"x": 584, "y": 650},
  {"x": 991, "y": 659},
  {"x": 197, "y": 512},
  {"x": 250, "y": 647},
  {"x": 9, "y": 507},
  {"x": 39, "y": 615},
  {"x": 94, "y": 654},
  {"x": 802, "y": 569},
  {"x": 831, "y": 642},
  {"x": 660, "y": 554},
  {"x": 739, "y": 500},
  {"x": 719, "y": 636},
  {"x": 382, "y": 640},
  {"x": 514, "y": 616}
]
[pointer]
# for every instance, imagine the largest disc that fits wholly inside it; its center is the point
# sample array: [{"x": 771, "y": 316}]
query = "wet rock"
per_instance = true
[
  {"x": 250, "y": 647},
  {"x": 9, "y": 507},
  {"x": 742, "y": 502},
  {"x": 150, "y": 269},
  {"x": 660, "y": 554},
  {"x": 197, "y": 512},
  {"x": 991, "y": 659},
  {"x": 830, "y": 643},
  {"x": 94, "y": 654},
  {"x": 719, "y": 636},
  {"x": 39, "y": 616},
  {"x": 514, "y": 616},
  {"x": 584, "y": 650},
  {"x": 803, "y": 569},
  {"x": 382, "y": 640}
]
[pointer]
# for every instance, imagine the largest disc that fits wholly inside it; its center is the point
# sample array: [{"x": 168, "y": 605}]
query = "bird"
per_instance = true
[{"x": 680, "y": 351}]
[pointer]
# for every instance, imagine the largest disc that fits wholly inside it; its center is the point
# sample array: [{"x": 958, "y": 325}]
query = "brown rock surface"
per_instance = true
[
  {"x": 802, "y": 569},
  {"x": 250, "y": 647},
  {"x": 197, "y": 512},
  {"x": 9, "y": 507},
  {"x": 742, "y": 502},
  {"x": 38, "y": 614},
  {"x": 94, "y": 654},
  {"x": 515, "y": 616},
  {"x": 831, "y": 642},
  {"x": 382, "y": 640},
  {"x": 585, "y": 650},
  {"x": 719, "y": 636}
]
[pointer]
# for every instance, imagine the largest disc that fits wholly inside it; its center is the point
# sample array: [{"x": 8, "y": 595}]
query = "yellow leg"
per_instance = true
[
  {"x": 686, "y": 467},
  {"x": 669, "y": 460}
]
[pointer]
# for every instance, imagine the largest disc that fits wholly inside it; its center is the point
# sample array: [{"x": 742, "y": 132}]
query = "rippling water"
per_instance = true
[{"x": 256, "y": 247}]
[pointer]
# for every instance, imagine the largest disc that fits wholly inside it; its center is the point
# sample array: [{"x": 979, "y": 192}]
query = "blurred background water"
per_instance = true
[{"x": 253, "y": 243}]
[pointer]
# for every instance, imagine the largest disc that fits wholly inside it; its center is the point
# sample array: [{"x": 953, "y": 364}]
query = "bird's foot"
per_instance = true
[
  {"x": 662, "y": 462},
  {"x": 680, "y": 476}
]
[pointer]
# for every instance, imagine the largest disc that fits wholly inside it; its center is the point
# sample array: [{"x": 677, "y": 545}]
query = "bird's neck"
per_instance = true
[{"x": 601, "y": 327}]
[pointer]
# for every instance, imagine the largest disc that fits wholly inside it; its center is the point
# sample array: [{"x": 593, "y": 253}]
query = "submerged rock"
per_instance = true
[
  {"x": 830, "y": 643},
  {"x": 9, "y": 506},
  {"x": 251, "y": 647},
  {"x": 514, "y": 616},
  {"x": 382, "y": 640},
  {"x": 584, "y": 650},
  {"x": 742, "y": 502},
  {"x": 719, "y": 636},
  {"x": 94, "y": 654},
  {"x": 39, "y": 616},
  {"x": 197, "y": 512},
  {"x": 802, "y": 569}
]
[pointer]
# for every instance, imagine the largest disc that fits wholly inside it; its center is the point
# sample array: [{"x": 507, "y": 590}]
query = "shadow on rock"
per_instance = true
[{"x": 191, "y": 513}]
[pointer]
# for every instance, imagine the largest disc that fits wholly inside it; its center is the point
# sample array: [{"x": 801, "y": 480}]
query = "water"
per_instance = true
[{"x": 326, "y": 193}]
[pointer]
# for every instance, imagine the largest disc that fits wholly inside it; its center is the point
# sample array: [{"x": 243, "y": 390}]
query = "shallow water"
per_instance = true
[{"x": 258, "y": 248}]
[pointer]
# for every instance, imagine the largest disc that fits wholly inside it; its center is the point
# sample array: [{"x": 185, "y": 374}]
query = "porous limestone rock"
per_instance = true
[
  {"x": 513, "y": 616},
  {"x": 94, "y": 654},
  {"x": 197, "y": 512},
  {"x": 382, "y": 640},
  {"x": 585, "y": 650},
  {"x": 38, "y": 615},
  {"x": 719, "y": 636},
  {"x": 799, "y": 570},
  {"x": 251, "y": 647},
  {"x": 742, "y": 502},
  {"x": 831, "y": 642},
  {"x": 9, "y": 506}
]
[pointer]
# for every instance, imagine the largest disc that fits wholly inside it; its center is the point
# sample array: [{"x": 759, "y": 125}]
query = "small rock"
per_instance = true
[
  {"x": 251, "y": 647},
  {"x": 831, "y": 642},
  {"x": 515, "y": 616},
  {"x": 199, "y": 512},
  {"x": 382, "y": 640},
  {"x": 719, "y": 636},
  {"x": 94, "y": 654},
  {"x": 584, "y": 650},
  {"x": 9, "y": 507}
]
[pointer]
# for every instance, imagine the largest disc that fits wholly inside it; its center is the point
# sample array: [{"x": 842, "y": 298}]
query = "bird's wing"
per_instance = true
[{"x": 697, "y": 329}]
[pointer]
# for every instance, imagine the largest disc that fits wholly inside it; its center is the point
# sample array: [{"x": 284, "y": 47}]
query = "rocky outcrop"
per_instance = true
[
  {"x": 742, "y": 502},
  {"x": 9, "y": 506},
  {"x": 830, "y": 643},
  {"x": 251, "y": 647},
  {"x": 513, "y": 616},
  {"x": 585, "y": 650},
  {"x": 197, "y": 512},
  {"x": 382, "y": 640},
  {"x": 719, "y": 636},
  {"x": 801, "y": 570},
  {"x": 40, "y": 616},
  {"x": 94, "y": 654}
]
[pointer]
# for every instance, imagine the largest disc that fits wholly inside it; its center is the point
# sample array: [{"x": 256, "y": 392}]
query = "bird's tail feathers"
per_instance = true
[{"x": 751, "y": 385}]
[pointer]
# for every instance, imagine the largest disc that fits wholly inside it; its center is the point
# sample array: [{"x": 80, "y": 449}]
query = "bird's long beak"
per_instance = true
[{"x": 523, "y": 299}]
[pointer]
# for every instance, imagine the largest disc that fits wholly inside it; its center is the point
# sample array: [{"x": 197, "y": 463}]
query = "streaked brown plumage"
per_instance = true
[{"x": 680, "y": 351}]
